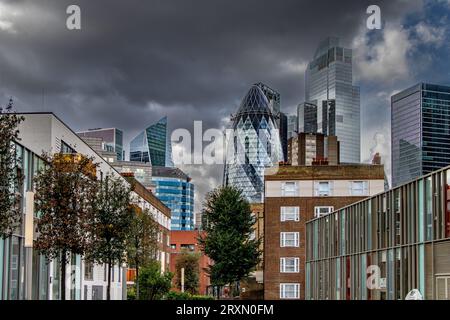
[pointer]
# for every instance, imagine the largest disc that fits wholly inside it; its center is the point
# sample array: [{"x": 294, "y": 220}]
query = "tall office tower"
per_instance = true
[
  {"x": 292, "y": 126},
  {"x": 283, "y": 127},
  {"x": 307, "y": 117},
  {"x": 153, "y": 145},
  {"x": 112, "y": 140},
  {"x": 253, "y": 146},
  {"x": 175, "y": 189},
  {"x": 329, "y": 85},
  {"x": 420, "y": 131}
]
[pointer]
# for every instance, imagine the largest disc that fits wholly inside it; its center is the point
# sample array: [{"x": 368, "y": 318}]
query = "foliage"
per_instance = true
[
  {"x": 152, "y": 284},
  {"x": 189, "y": 261},
  {"x": 228, "y": 236},
  {"x": 176, "y": 295},
  {"x": 65, "y": 199},
  {"x": 142, "y": 240},
  {"x": 131, "y": 293},
  {"x": 111, "y": 224},
  {"x": 11, "y": 176}
]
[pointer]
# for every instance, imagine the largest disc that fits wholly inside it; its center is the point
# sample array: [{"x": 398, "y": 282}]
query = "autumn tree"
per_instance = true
[
  {"x": 11, "y": 176},
  {"x": 111, "y": 224},
  {"x": 65, "y": 197},
  {"x": 189, "y": 261},
  {"x": 142, "y": 241},
  {"x": 227, "y": 240}
]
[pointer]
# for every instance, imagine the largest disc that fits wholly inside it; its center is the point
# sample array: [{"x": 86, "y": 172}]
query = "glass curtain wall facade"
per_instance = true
[
  {"x": 254, "y": 145},
  {"x": 383, "y": 247},
  {"x": 420, "y": 131},
  {"x": 329, "y": 86},
  {"x": 153, "y": 145},
  {"x": 17, "y": 280},
  {"x": 175, "y": 190}
]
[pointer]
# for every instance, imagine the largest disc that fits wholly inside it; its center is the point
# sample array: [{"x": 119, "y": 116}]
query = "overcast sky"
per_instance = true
[{"x": 134, "y": 61}]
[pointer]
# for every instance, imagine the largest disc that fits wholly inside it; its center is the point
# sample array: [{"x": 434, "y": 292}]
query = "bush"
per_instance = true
[
  {"x": 176, "y": 295},
  {"x": 152, "y": 284},
  {"x": 131, "y": 293}
]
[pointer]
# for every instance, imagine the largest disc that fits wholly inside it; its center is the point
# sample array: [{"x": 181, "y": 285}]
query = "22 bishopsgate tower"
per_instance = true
[{"x": 329, "y": 86}]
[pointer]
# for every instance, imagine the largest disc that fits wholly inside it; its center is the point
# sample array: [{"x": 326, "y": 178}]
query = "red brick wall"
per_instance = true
[
  {"x": 189, "y": 237},
  {"x": 273, "y": 226}
]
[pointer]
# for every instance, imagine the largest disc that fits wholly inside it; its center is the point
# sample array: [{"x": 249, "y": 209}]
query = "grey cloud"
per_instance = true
[{"x": 192, "y": 59}]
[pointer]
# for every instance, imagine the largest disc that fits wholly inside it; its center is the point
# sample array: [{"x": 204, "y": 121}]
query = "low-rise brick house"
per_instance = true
[{"x": 295, "y": 195}]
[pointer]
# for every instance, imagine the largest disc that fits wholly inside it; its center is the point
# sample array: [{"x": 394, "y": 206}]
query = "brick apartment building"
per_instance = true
[
  {"x": 295, "y": 195},
  {"x": 187, "y": 240}
]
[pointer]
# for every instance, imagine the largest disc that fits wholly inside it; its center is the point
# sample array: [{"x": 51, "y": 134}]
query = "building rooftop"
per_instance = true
[
  {"x": 169, "y": 172},
  {"x": 336, "y": 172}
]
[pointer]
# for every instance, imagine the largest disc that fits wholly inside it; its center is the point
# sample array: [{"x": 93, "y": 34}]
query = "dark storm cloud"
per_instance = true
[{"x": 135, "y": 61}]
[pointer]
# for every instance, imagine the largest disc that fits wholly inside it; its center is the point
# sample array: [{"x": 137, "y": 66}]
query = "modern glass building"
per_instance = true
[
  {"x": 292, "y": 126},
  {"x": 175, "y": 190},
  {"x": 254, "y": 145},
  {"x": 307, "y": 118},
  {"x": 420, "y": 131},
  {"x": 112, "y": 138},
  {"x": 329, "y": 86},
  {"x": 153, "y": 145},
  {"x": 383, "y": 247}
]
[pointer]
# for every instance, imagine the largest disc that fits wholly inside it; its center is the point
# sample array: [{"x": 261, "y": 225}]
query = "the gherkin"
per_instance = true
[{"x": 254, "y": 143}]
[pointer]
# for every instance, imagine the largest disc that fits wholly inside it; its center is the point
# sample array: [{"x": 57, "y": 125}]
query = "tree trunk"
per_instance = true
[
  {"x": 108, "y": 290},
  {"x": 63, "y": 274},
  {"x": 137, "y": 281}
]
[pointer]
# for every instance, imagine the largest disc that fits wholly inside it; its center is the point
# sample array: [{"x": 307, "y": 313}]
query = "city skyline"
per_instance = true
[{"x": 126, "y": 81}]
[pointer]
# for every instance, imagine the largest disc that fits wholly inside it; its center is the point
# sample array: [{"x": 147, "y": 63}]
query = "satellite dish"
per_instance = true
[{"x": 414, "y": 294}]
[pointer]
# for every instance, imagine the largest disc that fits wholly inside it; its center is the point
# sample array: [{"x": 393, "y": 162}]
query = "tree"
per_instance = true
[
  {"x": 142, "y": 241},
  {"x": 11, "y": 176},
  {"x": 227, "y": 240},
  {"x": 154, "y": 285},
  {"x": 110, "y": 225},
  {"x": 65, "y": 197},
  {"x": 189, "y": 261}
]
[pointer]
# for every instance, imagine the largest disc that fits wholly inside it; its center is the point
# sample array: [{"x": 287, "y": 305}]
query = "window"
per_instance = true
[
  {"x": 321, "y": 211},
  {"x": 173, "y": 246},
  {"x": 290, "y": 214},
  {"x": 189, "y": 247},
  {"x": 289, "y": 239},
  {"x": 289, "y": 290},
  {"x": 289, "y": 265},
  {"x": 289, "y": 189},
  {"x": 323, "y": 188},
  {"x": 359, "y": 188},
  {"x": 88, "y": 271}
]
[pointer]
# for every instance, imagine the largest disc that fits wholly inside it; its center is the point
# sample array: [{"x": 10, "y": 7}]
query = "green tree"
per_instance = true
[
  {"x": 11, "y": 176},
  {"x": 110, "y": 225},
  {"x": 65, "y": 197},
  {"x": 190, "y": 262},
  {"x": 227, "y": 240},
  {"x": 142, "y": 241},
  {"x": 152, "y": 284}
]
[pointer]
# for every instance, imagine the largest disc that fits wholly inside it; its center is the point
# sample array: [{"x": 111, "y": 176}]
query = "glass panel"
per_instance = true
[{"x": 421, "y": 210}]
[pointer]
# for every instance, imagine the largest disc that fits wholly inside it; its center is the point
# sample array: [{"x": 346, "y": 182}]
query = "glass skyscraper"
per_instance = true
[
  {"x": 307, "y": 118},
  {"x": 153, "y": 145},
  {"x": 420, "y": 131},
  {"x": 112, "y": 138},
  {"x": 255, "y": 143},
  {"x": 175, "y": 190},
  {"x": 329, "y": 86}
]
